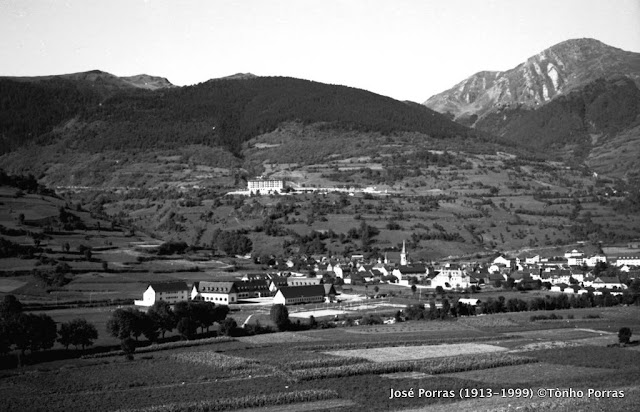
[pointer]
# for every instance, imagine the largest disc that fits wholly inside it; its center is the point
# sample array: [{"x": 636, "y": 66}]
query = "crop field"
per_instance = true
[
  {"x": 529, "y": 374},
  {"x": 9, "y": 285},
  {"x": 298, "y": 370},
  {"x": 405, "y": 327},
  {"x": 394, "y": 354}
]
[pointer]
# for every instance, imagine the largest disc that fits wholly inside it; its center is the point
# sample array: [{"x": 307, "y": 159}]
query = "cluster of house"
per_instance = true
[
  {"x": 286, "y": 290},
  {"x": 572, "y": 273}
]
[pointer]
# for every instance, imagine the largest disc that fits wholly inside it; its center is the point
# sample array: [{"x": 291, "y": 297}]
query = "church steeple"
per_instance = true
[{"x": 403, "y": 255}]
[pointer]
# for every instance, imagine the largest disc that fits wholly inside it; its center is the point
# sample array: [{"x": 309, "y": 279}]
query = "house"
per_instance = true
[
  {"x": 170, "y": 292},
  {"x": 329, "y": 292},
  {"x": 592, "y": 261},
  {"x": 252, "y": 289},
  {"x": 467, "y": 301},
  {"x": 628, "y": 261},
  {"x": 303, "y": 281},
  {"x": 404, "y": 273},
  {"x": 291, "y": 295},
  {"x": 604, "y": 282},
  {"x": 559, "y": 287},
  {"x": 532, "y": 260},
  {"x": 574, "y": 258},
  {"x": 451, "y": 276},
  {"x": 249, "y": 277},
  {"x": 496, "y": 277},
  {"x": 220, "y": 293},
  {"x": 277, "y": 282}
]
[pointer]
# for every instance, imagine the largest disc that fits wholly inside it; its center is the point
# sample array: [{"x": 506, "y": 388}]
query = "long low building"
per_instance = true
[
  {"x": 225, "y": 293},
  {"x": 170, "y": 292},
  {"x": 291, "y": 295}
]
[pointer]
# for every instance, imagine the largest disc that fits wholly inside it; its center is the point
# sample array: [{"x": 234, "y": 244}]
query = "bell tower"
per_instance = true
[{"x": 403, "y": 255}]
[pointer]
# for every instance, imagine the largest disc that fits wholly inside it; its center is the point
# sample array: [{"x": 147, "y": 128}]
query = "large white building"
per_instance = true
[
  {"x": 628, "y": 261},
  {"x": 170, "y": 292},
  {"x": 265, "y": 185}
]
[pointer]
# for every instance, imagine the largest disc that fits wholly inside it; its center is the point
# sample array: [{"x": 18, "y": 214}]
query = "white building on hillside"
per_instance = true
[{"x": 265, "y": 185}]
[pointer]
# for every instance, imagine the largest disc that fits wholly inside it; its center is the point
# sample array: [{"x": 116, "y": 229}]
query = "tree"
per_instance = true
[
  {"x": 624, "y": 335},
  {"x": 228, "y": 327},
  {"x": 33, "y": 332},
  {"x": 446, "y": 307},
  {"x": 10, "y": 306},
  {"x": 187, "y": 327},
  {"x": 126, "y": 323},
  {"x": 163, "y": 316},
  {"x": 280, "y": 316},
  {"x": 77, "y": 332}
]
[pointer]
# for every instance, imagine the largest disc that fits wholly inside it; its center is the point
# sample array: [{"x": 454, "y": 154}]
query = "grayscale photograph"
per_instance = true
[{"x": 319, "y": 205}]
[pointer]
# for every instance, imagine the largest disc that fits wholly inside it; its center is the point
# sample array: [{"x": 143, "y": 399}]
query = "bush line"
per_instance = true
[{"x": 164, "y": 346}]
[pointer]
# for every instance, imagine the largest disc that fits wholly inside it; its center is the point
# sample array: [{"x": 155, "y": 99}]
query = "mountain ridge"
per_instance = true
[{"x": 554, "y": 71}]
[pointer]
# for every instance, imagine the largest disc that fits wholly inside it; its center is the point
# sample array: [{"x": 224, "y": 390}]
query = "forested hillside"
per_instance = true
[
  {"x": 223, "y": 112},
  {"x": 576, "y": 121}
]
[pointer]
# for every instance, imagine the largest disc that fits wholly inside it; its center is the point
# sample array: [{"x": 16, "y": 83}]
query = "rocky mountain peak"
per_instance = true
[{"x": 552, "y": 72}]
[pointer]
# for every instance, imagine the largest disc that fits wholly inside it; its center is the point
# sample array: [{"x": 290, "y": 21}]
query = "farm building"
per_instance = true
[
  {"x": 170, "y": 292},
  {"x": 292, "y": 295},
  {"x": 220, "y": 293}
]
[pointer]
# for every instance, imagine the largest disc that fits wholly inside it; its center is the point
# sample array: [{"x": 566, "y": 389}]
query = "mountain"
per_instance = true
[
  {"x": 47, "y": 121},
  {"x": 570, "y": 102},
  {"x": 553, "y": 72},
  {"x": 100, "y": 81}
]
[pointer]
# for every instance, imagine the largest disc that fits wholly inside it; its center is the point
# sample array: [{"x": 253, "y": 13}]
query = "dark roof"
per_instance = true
[
  {"x": 215, "y": 287},
  {"x": 302, "y": 291},
  {"x": 169, "y": 286},
  {"x": 412, "y": 269},
  {"x": 608, "y": 279},
  {"x": 279, "y": 280},
  {"x": 329, "y": 289}
]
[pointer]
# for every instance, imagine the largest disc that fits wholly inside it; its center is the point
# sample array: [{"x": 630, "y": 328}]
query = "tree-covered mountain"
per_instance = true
[
  {"x": 580, "y": 119},
  {"x": 222, "y": 112}
]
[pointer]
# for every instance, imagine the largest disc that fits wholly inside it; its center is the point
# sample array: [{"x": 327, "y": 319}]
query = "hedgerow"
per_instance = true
[{"x": 164, "y": 346}]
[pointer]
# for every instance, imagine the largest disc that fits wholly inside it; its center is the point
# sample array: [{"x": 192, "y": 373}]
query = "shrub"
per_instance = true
[{"x": 624, "y": 335}]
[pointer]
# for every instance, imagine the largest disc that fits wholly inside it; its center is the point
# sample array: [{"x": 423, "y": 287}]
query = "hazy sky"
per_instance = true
[{"x": 405, "y": 49}]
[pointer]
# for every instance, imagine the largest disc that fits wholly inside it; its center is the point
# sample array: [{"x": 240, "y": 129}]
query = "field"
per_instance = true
[{"x": 339, "y": 370}]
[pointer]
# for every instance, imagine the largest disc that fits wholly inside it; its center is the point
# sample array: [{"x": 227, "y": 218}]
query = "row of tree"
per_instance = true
[
  {"x": 186, "y": 317},
  {"x": 501, "y": 304},
  {"x": 26, "y": 331}
]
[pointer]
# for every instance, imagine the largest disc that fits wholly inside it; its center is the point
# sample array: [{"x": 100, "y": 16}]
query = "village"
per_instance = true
[{"x": 322, "y": 279}]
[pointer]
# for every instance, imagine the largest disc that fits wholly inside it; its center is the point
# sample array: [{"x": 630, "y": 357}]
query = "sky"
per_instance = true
[{"x": 404, "y": 49}]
